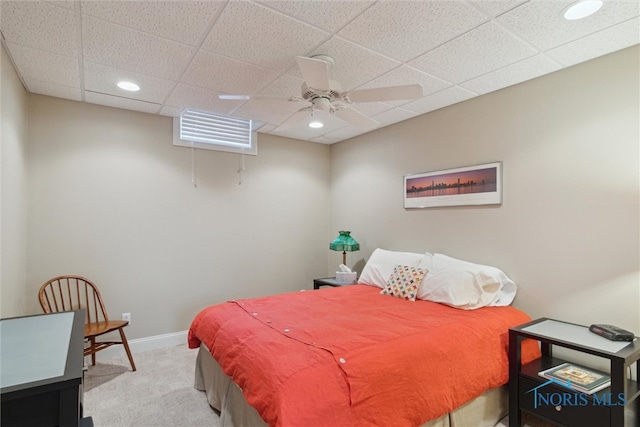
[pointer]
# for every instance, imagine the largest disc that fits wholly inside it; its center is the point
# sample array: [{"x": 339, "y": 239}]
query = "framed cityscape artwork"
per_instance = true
[{"x": 470, "y": 185}]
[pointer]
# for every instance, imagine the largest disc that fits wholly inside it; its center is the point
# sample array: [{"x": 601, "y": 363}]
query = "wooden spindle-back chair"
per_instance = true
[{"x": 66, "y": 293}]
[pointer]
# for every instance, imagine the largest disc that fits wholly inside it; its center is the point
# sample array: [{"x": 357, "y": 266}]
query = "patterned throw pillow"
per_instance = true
[{"x": 404, "y": 282}]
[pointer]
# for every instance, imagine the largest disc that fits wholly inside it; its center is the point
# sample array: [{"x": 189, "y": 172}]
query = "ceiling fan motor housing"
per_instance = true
[{"x": 311, "y": 94}]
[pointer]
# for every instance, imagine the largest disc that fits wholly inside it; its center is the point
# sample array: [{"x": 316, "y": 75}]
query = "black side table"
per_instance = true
[
  {"x": 327, "y": 281},
  {"x": 603, "y": 408}
]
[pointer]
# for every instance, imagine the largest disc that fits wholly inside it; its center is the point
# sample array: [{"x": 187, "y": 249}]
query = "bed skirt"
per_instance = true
[{"x": 226, "y": 397}]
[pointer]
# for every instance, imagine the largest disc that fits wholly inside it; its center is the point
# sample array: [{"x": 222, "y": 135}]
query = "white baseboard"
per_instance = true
[{"x": 139, "y": 345}]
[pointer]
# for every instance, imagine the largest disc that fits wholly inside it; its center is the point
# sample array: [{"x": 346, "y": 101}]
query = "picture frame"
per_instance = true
[{"x": 464, "y": 186}]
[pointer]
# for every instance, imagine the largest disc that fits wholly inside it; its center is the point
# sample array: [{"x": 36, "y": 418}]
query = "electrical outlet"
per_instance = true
[{"x": 127, "y": 317}]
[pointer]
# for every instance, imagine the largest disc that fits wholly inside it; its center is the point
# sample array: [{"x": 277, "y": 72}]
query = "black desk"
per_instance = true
[{"x": 41, "y": 361}]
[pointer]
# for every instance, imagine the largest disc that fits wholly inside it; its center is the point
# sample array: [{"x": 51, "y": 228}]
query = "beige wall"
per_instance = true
[
  {"x": 111, "y": 198},
  {"x": 13, "y": 190},
  {"x": 568, "y": 230}
]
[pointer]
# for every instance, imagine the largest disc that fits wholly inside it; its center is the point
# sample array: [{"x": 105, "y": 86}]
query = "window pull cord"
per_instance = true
[
  {"x": 193, "y": 166},
  {"x": 241, "y": 170}
]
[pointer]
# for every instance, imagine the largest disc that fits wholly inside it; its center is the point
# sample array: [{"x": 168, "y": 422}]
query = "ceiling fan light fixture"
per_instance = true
[
  {"x": 315, "y": 124},
  {"x": 130, "y": 86},
  {"x": 582, "y": 9},
  {"x": 322, "y": 104}
]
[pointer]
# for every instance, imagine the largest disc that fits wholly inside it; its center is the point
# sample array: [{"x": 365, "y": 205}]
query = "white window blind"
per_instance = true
[{"x": 203, "y": 129}]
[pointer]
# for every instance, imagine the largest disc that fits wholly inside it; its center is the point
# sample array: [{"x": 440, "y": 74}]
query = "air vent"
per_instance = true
[{"x": 204, "y": 129}]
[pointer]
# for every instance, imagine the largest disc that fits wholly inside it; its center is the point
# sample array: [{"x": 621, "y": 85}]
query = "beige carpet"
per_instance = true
[{"x": 160, "y": 393}]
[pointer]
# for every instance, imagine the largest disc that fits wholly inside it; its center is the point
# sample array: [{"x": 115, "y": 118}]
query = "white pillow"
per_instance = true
[
  {"x": 427, "y": 261},
  {"x": 463, "y": 284},
  {"x": 381, "y": 264}
]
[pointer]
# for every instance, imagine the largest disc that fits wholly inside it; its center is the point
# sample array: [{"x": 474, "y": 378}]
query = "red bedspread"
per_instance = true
[{"x": 349, "y": 356}]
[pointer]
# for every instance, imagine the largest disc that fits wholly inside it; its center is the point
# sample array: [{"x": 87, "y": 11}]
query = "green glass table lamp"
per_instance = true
[{"x": 344, "y": 242}]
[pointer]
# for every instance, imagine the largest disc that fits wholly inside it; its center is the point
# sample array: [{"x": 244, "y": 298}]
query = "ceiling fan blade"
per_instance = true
[
  {"x": 356, "y": 118},
  {"x": 392, "y": 93},
  {"x": 315, "y": 72},
  {"x": 248, "y": 97},
  {"x": 298, "y": 116},
  {"x": 235, "y": 97}
]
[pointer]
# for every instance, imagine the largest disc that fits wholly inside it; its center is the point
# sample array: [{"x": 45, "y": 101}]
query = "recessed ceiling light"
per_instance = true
[
  {"x": 316, "y": 124},
  {"x": 582, "y": 9},
  {"x": 131, "y": 87}
]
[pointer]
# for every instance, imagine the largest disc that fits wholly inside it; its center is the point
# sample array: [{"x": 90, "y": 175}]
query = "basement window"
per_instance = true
[{"x": 210, "y": 131}]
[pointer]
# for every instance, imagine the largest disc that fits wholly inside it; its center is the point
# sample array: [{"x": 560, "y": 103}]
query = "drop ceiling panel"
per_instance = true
[
  {"x": 227, "y": 75},
  {"x": 446, "y": 97},
  {"x": 117, "y": 102},
  {"x": 497, "y": 7},
  {"x": 69, "y": 4},
  {"x": 268, "y": 111},
  {"x": 520, "y": 71},
  {"x": 185, "y": 53},
  {"x": 541, "y": 22},
  {"x": 372, "y": 108},
  {"x": 267, "y": 128},
  {"x": 56, "y": 90},
  {"x": 394, "y": 115},
  {"x": 324, "y": 139},
  {"x": 609, "y": 40},
  {"x": 354, "y": 65},
  {"x": 122, "y": 47},
  {"x": 484, "y": 49},
  {"x": 234, "y": 36},
  {"x": 295, "y": 134},
  {"x": 403, "y": 74},
  {"x": 406, "y": 29},
  {"x": 45, "y": 66},
  {"x": 40, "y": 25},
  {"x": 330, "y": 122},
  {"x": 181, "y": 21},
  {"x": 187, "y": 96},
  {"x": 283, "y": 86},
  {"x": 100, "y": 78},
  {"x": 316, "y": 13},
  {"x": 343, "y": 133},
  {"x": 171, "y": 111}
]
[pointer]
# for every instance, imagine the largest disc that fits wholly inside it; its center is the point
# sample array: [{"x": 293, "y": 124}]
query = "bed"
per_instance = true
[{"x": 353, "y": 356}]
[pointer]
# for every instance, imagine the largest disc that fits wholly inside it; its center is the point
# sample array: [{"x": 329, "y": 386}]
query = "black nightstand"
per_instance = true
[
  {"x": 615, "y": 406},
  {"x": 327, "y": 281}
]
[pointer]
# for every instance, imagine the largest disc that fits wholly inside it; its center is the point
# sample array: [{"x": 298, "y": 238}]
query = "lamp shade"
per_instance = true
[{"x": 344, "y": 242}]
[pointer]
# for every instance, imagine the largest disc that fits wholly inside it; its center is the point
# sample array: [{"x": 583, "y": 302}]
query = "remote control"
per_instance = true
[{"x": 611, "y": 332}]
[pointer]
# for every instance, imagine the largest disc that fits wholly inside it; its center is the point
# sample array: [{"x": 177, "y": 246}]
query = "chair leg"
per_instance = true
[
  {"x": 93, "y": 355},
  {"x": 126, "y": 347}
]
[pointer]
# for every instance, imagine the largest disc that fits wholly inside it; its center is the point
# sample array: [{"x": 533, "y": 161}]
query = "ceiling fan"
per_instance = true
[{"x": 326, "y": 95}]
